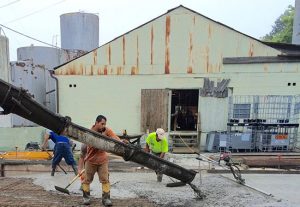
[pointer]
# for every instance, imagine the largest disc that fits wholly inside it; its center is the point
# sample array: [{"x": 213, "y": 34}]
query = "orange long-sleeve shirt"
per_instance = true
[{"x": 94, "y": 155}]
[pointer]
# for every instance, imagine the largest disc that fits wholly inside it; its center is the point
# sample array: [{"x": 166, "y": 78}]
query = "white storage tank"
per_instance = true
[
  {"x": 5, "y": 120},
  {"x": 4, "y": 57},
  {"x": 49, "y": 57},
  {"x": 79, "y": 31},
  {"x": 31, "y": 77}
]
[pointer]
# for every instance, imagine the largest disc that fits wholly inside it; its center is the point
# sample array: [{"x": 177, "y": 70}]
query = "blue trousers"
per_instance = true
[{"x": 62, "y": 150}]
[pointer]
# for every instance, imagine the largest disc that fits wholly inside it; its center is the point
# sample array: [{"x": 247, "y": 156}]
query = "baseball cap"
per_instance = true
[{"x": 160, "y": 133}]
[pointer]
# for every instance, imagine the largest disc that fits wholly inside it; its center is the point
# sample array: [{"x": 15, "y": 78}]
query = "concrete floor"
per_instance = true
[{"x": 219, "y": 191}]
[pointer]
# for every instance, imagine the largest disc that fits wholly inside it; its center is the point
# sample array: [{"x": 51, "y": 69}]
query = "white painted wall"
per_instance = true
[{"x": 19, "y": 137}]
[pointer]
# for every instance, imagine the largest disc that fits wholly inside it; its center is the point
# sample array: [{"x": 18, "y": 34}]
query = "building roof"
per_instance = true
[{"x": 180, "y": 6}]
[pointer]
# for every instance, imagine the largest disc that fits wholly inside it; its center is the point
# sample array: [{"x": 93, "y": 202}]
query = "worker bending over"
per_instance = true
[
  {"x": 157, "y": 144},
  {"x": 62, "y": 149}
]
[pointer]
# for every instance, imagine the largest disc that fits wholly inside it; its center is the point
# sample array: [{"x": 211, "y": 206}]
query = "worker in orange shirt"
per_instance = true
[{"x": 96, "y": 160}]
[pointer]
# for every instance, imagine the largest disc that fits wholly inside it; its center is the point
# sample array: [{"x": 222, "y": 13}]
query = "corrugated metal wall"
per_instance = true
[
  {"x": 175, "y": 51},
  {"x": 179, "y": 42}
]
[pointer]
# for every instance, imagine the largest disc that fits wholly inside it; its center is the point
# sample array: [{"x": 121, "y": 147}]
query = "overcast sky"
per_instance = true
[{"x": 41, "y": 18}]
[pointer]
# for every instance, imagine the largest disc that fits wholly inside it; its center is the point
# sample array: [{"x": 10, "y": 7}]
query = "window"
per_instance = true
[{"x": 241, "y": 111}]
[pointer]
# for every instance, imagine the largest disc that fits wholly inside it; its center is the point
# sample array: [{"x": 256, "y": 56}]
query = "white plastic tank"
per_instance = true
[
  {"x": 4, "y": 58},
  {"x": 49, "y": 57},
  {"x": 79, "y": 31}
]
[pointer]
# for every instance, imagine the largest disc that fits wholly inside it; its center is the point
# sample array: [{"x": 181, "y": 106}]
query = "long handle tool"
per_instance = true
[{"x": 65, "y": 190}]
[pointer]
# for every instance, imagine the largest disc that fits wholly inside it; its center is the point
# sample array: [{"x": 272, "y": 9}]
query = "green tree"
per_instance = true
[{"x": 282, "y": 31}]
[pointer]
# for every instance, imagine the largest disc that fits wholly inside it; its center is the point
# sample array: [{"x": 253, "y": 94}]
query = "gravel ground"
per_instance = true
[{"x": 143, "y": 187}]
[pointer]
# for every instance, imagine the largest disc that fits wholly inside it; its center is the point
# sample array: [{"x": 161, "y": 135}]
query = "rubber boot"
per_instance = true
[
  {"x": 106, "y": 199},
  {"x": 75, "y": 169},
  {"x": 159, "y": 177},
  {"x": 86, "y": 194},
  {"x": 53, "y": 171},
  {"x": 106, "y": 194}
]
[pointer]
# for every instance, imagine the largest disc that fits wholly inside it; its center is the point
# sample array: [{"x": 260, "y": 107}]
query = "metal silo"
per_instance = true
[
  {"x": 31, "y": 77},
  {"x": 5, "y": 120},
  {"x": 79, "y": 31},
  {"x": 48, "y": 57},
  {"x": 4, "y": 57}
]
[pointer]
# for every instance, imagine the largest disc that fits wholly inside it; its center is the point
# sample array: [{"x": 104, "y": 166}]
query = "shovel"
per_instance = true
[{"x": 65, "y": 190}]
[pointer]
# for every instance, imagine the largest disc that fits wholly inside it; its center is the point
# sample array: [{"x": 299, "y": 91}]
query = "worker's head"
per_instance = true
[
  {"x": 160, "y": 133},
  {"x": 100, "y": 123}
]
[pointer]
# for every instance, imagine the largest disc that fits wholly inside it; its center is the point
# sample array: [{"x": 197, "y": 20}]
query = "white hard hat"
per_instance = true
[{"x": 160, "y": 133}]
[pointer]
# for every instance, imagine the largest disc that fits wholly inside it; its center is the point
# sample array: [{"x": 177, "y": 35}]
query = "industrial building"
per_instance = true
[
  {"x": 182, "y": 71},
  {"x": 181, "y": 62}
]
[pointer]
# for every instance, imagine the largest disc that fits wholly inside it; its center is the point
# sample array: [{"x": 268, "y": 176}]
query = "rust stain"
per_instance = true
[
  {"x": 109, "y": 54},
  {"x": 221, "y": 61},
  {"x": 207, "y": 59},
  {"x": 133, "y": 70},
  {"x": 167, "y": 39},
  {"x": 95, "y": 56},
  {"x": 81, "y": 69},
  {"x": 124, "y": 50},
  {"x": 251, "y": 50},
  {"x": 209, "y": 31},
  {"x": 20, "y": 64},
  {"x": 137, "y": 51},
  {"x": 152, "y": 39},
  {"x": 194, "y": 20},
  {"x": 92, "y": 70},
  {"x": 119, "y": 70},
  {"x": 99, "y": 71},
  {"x": 190, "y": 68},
  {"x": 105, "y": 70}
]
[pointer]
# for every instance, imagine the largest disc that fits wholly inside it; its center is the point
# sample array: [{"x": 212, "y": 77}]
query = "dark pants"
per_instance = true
[
  {"x": 62, "y": 150},
  {"x": 158, "y": 173}
]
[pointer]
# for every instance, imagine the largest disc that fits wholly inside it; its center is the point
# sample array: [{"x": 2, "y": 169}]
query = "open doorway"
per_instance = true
[{"x": 184, "y": 110}]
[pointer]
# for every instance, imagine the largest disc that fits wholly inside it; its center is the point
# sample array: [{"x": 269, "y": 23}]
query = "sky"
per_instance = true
[{"x": 41, "y": 18}]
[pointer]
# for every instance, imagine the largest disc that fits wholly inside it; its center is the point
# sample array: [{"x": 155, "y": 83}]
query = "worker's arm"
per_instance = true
[
  {"x": 83, "y": 152},
  {"x": 162, "y": 155},
  {"x": 111, "y": 133},
  {"x": 45, "y": 142},
  {"x": 147, "y": 149},
  {"x": 165, "y": 148}
]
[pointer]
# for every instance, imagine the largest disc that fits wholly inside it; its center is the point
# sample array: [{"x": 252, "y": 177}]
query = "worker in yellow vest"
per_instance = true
[{"x": 157, "y": 144}]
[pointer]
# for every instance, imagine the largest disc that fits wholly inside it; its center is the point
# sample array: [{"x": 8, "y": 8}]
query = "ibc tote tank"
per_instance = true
[{"x": 79, "y": 31}]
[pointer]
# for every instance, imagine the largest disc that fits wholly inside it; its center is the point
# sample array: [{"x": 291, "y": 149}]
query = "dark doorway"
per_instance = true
[{"x": 184, "y": 110}]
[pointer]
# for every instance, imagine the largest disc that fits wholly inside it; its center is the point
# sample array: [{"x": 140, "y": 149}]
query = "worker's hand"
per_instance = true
[
  {"x": 125, "y": 141},
  {"x": 43, "y": 148}
]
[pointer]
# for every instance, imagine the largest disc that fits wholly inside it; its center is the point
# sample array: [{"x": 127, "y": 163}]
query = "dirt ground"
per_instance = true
[
  {"x": 22, "y": 192},
  {"x": 139, "y": 188}
]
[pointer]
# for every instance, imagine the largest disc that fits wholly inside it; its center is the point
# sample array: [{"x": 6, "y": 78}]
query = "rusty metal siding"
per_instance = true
[{"x": 179, "y": 42}]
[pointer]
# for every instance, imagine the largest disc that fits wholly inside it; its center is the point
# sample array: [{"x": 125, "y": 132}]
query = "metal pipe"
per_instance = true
[{"x": 28, "y": 108}]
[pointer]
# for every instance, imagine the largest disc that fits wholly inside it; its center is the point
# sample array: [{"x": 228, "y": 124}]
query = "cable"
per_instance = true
[
  {"x": 37, "y": 11},
  {"x": 29, "y": 36},
  {"x": 5, "y": 5}
]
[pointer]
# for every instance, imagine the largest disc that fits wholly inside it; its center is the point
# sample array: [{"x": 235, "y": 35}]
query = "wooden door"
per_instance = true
[{"x": 154, "y": 109}]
